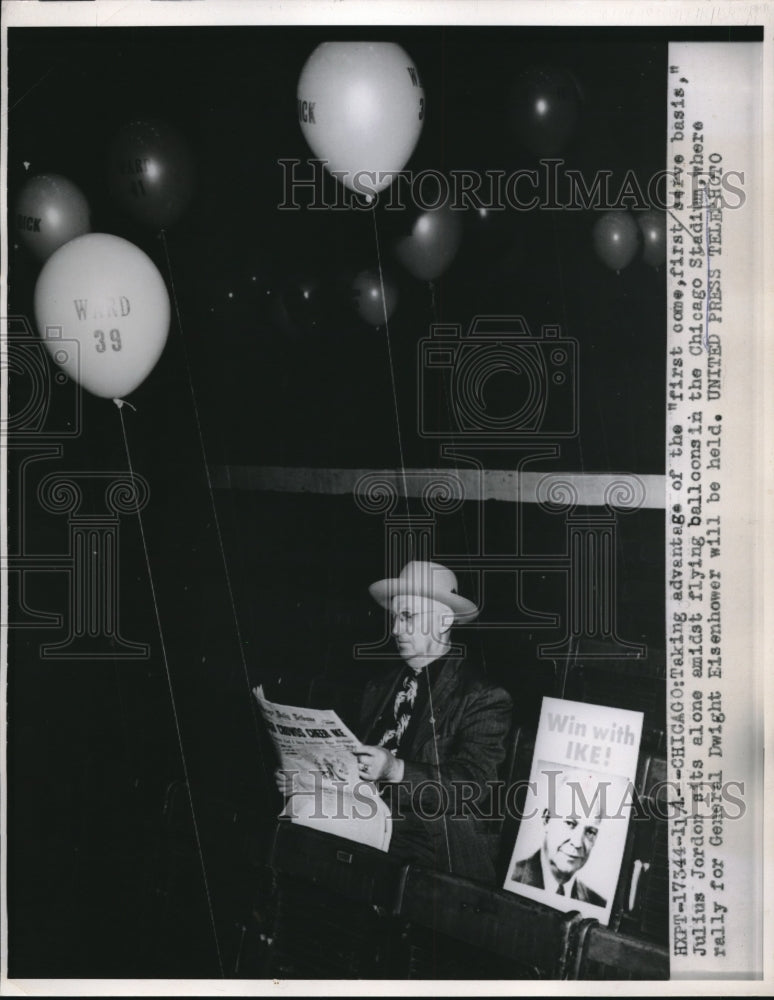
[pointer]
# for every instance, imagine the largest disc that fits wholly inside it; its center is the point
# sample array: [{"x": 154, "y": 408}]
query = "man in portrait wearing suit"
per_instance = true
[
  {"x": 569, "y": 835},
  {"x": 434, "y": 728}
]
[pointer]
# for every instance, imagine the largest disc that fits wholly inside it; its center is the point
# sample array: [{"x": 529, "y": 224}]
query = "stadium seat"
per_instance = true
[
  {"x": 603, "y": 954},
  {"x": 334, "y": 908},
  {"x": 454, "y": 928}
]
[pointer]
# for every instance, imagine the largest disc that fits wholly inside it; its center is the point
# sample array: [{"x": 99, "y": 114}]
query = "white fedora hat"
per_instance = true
[{"x": 425, "y": 579}]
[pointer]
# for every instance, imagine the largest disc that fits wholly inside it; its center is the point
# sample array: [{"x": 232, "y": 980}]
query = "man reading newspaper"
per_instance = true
[{"x": 433, "y": 729}]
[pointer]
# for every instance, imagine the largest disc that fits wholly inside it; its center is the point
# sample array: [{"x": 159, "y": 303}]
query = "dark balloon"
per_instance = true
[
  {"x": 616, "y": 239},
  {"x": 151, "y": 173},
  {"x": 545, "y": 109},
  {"x": 653, "y": 228},
  {"x": 368, "y": 300},
  {"x": 50, "y": 211},
  {"x": 431, "y": 244}
]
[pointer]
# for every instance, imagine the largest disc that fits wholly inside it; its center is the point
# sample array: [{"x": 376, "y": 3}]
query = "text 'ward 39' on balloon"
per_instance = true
[{"x": 103, "y": 312}]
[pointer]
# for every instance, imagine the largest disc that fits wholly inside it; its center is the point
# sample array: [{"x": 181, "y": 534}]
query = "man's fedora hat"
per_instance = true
[{"x": 425, "y": 579}]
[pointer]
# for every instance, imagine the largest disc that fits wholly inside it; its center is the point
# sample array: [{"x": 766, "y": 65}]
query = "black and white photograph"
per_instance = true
[
  {"x": 385, "y": 545},
  {"x": 566, "y": 835},
  {"x": 575, "y": 820}
]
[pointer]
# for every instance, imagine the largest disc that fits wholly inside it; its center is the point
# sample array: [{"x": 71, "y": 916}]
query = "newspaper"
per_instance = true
[{"x": 317, "y": 753}]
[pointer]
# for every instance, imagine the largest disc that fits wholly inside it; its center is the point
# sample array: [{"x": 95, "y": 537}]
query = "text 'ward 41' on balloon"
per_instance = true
[
  {"x": 102, "y": 310},
  {"x": 151, "y": 172},
  {"x": 361, "y": 107}
]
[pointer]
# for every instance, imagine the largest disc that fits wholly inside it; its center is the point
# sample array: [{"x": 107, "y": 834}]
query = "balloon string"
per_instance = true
[
  {"x": 408, "y": 514},
  {"x": 571, "y": 655},
  {"x": 120, "y": 403},
  {"x": 253, "y": 706},
  {"x": 434, "y": 315},
  {"x": 392, "y": 371}
]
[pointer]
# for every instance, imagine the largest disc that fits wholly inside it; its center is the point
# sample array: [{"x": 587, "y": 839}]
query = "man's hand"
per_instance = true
[
  {"x": 292, "y": 780},
  {"x": 284, "y": 781},
  {"x": 378, "y": 764}
]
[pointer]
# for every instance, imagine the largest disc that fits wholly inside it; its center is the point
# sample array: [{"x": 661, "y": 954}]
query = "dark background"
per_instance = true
[{"x": 104, "y": 872}]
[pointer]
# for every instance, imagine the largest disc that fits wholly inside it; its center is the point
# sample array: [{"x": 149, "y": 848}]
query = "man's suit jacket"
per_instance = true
[
  {"x": 472, "y": 722},
  {"x": 530, "y": 872}
]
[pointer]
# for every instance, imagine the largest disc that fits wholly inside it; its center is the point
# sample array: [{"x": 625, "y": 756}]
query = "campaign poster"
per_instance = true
[{"x": 581, "y": 792}]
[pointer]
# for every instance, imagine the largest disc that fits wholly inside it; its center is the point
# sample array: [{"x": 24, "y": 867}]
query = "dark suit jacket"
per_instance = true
[
  {"x": 530, "y": 872},
  {"x": 472, "y": 722}
]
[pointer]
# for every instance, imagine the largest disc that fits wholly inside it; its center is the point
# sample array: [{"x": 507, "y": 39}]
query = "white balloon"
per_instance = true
[
  {"x": 361, "y": 108},
  {"x": 102, "y": 310}
]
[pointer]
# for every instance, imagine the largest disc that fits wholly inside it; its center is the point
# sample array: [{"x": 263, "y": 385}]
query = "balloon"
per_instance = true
[
  {"x": 653, "y": 228},
  {"x": 50, "y": 211},
  {"x": 361, "y": 107},
  {"x": 150, "y": 173},
  {"x": 432, "y": 244},
  {"x": 102, "y": 310},
  {"x": 616, "y": 238},
  {"x": 545, "y": 109},
  {"x": 368, "y": 300}
]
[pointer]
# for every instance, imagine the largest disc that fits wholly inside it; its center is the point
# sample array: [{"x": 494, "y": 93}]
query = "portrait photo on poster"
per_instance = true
[{"x": 570, "y": 845}]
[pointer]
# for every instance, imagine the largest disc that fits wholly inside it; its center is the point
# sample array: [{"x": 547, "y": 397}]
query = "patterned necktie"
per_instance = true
[{"x": 402, "y": 708}]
